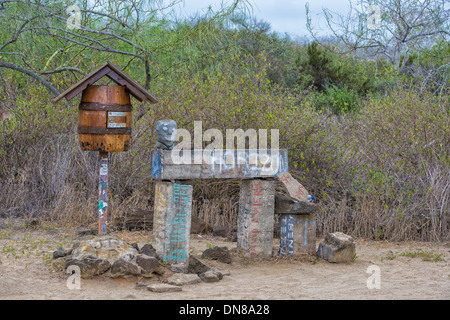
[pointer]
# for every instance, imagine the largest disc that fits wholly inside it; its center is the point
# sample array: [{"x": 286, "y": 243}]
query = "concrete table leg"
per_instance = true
[
  {"x": 297, "y": 234},
  {"x": 256, "y": 217},
  {"x": 172, "y": 221}
]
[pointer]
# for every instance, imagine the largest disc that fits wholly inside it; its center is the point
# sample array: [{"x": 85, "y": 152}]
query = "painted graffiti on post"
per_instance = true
[
  {"x": 218, "y": 164},
  {"x": 244, "y": 218},
  {"x": 287, "y": 235},
  {"x": 103, "y": 193},
  {"x": 179, "y": 226},
  {"x": 162, "y": 208},
  {"x": 256, "y": 217},
  {"x": 297, "y": 234}
]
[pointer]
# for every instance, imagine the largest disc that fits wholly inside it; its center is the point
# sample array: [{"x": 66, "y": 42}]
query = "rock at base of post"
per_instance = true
[{"x": 338, "y": 248}]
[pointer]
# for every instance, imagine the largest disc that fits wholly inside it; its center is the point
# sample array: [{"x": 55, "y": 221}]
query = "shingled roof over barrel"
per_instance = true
[{"x": 116, "y": 75}]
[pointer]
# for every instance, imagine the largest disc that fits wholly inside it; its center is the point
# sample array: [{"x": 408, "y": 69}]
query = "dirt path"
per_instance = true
[{"x": 26, "y": 272}]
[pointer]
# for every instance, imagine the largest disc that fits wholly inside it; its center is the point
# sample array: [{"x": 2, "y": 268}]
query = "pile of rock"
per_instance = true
[
  {"x": 196, "y": 272},
  {"x": 115, "y": 258},
  {"x": 107, "y": 254}
]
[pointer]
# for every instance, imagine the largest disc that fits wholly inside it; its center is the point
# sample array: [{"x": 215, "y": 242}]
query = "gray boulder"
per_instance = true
[
  {"x": 337, "y": 248},
  {"x": 196, "y": 266},
  {"x": 123, "y": 268},
  {"x": 181, "y": 279},
  {"x": 89, "y": 266},
  {"x": 211, "y": 276},
  {"x": 221, "y": 254},
  {"x": 148, "y": 264}
]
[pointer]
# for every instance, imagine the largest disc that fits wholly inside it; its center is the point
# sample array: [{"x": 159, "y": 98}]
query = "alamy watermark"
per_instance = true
[
  {"x": 256, "y": 141},
  {"x": 374, "y": 281},
  {"x": 249, "y": 148},
  {"x": 74, "y": 20},
  {"x": 374, "y": 18},
  {"x": 74, "y": 280}
]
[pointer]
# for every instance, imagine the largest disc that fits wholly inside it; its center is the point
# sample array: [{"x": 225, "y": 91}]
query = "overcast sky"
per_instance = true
[{"x": 285, "y": 16}]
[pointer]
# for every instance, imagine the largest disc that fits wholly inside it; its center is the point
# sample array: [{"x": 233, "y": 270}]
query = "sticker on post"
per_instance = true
[{"x": 117, "y": 119}]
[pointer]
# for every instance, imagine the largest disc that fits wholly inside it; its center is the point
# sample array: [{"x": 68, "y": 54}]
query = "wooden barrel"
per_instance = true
[{"x": 104, "y": 119}]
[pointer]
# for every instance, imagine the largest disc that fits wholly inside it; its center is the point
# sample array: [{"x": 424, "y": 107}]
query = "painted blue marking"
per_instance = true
[
  {"x": 305, "y": 239},
  {"x": 287, "y": 235},
  {"x": 156, "y": 165}
]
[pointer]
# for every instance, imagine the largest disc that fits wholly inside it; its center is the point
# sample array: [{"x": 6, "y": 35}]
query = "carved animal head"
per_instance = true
[{"x": 166, "y": 130}]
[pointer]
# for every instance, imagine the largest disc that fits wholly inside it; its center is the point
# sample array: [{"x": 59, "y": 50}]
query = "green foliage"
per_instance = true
[
  {"x": 425, "y": 254},
  {"x": 318, "y": 70},
  {"x": 339, "y": 83},
  {"x": 368, "y": 140},
  {"x": 337, "y": 100}
]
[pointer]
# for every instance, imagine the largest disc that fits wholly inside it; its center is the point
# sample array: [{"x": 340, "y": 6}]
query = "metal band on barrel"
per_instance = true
[
  {"x": 95, "y": 106},
  {"x": 98, "y": 130}
]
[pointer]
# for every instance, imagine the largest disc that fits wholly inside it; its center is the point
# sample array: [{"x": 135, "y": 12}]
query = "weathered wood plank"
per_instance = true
[
  {"x": 134, "y": 91},
  {"x": 114, "y": 73},
  {"x": 218, "y": 164},
  {"x": 83, "y": 85}
]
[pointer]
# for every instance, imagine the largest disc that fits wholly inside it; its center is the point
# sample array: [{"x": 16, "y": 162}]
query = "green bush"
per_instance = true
[{"x": 337, "y": 100}]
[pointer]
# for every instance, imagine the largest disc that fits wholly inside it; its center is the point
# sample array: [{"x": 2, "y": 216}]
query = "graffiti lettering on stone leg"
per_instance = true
[
  {"x": 103, "y": 195},
  {"x": 287, "y": 235},
  {"x": 178, "y": 225},
  {"x": 254, "y": 243}
]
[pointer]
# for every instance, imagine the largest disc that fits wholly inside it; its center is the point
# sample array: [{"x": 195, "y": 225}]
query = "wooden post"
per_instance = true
[{"x": 103, "y": 193}]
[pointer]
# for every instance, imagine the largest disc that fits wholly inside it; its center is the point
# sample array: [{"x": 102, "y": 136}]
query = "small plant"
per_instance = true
[
  {"x": 389, "y": 256},
  {"x": 210, "y": 245},
  {"x": 4, "y": 235},
  {"x": 426, "y": 255}
]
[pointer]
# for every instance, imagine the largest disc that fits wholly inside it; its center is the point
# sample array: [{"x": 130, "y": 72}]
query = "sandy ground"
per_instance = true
[{"x": 27, "y": 271}]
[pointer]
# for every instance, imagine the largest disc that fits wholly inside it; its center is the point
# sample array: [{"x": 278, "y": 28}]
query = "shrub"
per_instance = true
[{"x": 337, "y": 100}]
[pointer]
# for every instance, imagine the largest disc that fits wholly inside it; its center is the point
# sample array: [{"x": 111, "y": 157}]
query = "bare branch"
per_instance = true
[
  {"x": 405, "y": 26},
  {"x": 62, "y": 69},
  {"x": 103, "y": 48},
  {"x": 32, "y": 74}
]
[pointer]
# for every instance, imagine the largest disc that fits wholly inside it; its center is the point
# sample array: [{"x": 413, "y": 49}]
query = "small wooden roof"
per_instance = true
[{"x": 115, "y": 74}]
